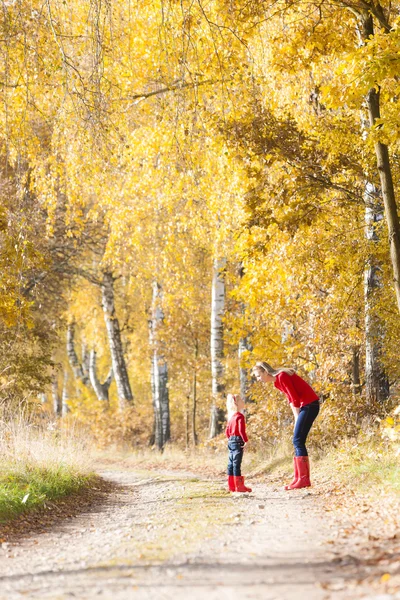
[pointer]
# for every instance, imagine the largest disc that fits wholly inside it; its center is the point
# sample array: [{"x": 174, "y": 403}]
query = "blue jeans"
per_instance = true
[
  {"x": 235, "y": 447},
  {"x": 306, "y": 418}
]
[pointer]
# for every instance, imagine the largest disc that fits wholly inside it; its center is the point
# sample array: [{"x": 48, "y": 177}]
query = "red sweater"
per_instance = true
[
  {"x": 237, "y": 426},
  {"x": 298, "y": 391}
]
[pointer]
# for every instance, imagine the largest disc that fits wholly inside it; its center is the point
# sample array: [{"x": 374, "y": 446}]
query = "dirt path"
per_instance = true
[{"x": 171, "y": 535}]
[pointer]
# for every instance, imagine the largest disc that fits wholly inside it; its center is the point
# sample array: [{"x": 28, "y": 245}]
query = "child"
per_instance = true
[{"x": 237, "y": 439}]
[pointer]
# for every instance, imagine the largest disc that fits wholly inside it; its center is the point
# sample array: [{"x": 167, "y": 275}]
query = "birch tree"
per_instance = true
[
  {"x": 125, "y": 395},
  {"x": 217, "y": 343},
  {"x": 101, "y": 389},
  {"x": 159, "y": 372},
  {"x": 376, "y": 380}
]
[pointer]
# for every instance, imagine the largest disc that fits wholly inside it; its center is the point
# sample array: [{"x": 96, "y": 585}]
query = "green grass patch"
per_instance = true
[
  {"x": 32, "y": 487},
  {"x": 363, "y": 465}
]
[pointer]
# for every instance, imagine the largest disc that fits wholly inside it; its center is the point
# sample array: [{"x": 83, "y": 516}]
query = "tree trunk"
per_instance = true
[
  {"x": 217, "y": 343},
  {"x": 194, "y": 407},
  {"x": 101, "y": 389},
  {"x": 56, "y": 397},
  {"x": 159, "y": 373},
  {"x": 125, "y": 396},
  {"x": 65, "y": 394},
  {"x": 73, "y": 359},
  {"x": 385, "y": 173},
  {"x": 187, "y": 420},
  {"x": 244, "y": 346},
  {"x": 376, "y": 381}
]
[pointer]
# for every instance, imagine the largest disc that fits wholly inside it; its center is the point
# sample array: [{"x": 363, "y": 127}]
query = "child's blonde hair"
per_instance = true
[{"x": 231, "y": 404}]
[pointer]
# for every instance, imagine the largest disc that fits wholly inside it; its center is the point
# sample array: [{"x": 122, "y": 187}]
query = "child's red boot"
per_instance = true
[
  {"x": 303, "y": 466},
  {"x": 239, "y": 485},
  {"x": 231, "y": 483},
  {"x": 295, "y": 476}
]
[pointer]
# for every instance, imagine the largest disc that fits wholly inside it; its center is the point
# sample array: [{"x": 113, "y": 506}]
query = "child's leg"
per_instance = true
[
  {"x": 230, "y": 463},
  {"x": 237, "y": 461}
]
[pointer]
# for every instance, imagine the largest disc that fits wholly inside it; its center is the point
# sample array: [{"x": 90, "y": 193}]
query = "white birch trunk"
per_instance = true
[
  {"x": 217, "y": 342},
  {"x": 76, "y": 366},
  {"x": 65, "y": 394},
  {"x": 159, "y": 374},
  {"x": 244, "y": 346},
  {"x": 376, "y": 381},
  {"x": 124, "y": 391},
  {"x": 101, "y": 389}
]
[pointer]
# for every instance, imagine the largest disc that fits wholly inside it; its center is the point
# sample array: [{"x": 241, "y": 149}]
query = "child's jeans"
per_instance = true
[{"x": 235, "y": 447}]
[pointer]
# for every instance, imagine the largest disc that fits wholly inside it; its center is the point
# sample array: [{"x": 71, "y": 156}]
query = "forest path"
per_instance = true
[{"x": 162, "y": 535}]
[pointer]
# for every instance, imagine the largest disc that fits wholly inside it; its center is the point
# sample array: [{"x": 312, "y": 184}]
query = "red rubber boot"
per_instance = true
[
  {"x": 303, "y": 466},
  {"x": 231, "y": 483},
  {"x": 295, "y": 476},
  {"x": 239, "y": 485}
]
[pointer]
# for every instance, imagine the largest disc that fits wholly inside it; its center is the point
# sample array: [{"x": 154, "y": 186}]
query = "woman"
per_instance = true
[{"x": 304, "y": 403}]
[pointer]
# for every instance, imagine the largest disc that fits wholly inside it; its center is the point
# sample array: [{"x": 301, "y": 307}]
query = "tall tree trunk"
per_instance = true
[
  {"x": 385, "y": 173},
  {"x": 194, "y": 406},
  {"x": 101, "y": 389},
  {"x": 76, "y": 366},
  {"x": 217, "y": 343},
  {"x": 187, "y": 420},
  {"x": 244, "y": 346},
  {"x": 376, "y": 381},
  {"x": 124, "y": 391},
  {"x": 55, "y": 396},
  {"x": 65, "y": 394},
  {"x": 159, "y": 373}
]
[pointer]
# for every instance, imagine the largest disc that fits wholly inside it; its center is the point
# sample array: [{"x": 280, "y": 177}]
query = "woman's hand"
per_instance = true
[{"x": 296, "y": 412}]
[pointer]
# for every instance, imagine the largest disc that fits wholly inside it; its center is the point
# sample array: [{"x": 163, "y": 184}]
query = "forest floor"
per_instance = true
[{"x": 158, "y": 534}]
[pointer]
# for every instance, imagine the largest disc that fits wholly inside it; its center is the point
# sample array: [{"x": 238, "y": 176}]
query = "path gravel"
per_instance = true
[{"x": 171, "y": 535}]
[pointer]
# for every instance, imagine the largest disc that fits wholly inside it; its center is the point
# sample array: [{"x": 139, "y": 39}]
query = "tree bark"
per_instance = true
[
  {"x": 376, "y": 381},
  {"x": 65, "y": 394},
  {"x": 194, "y": 406},
  {"x": 124, "y": 391},
  {"x": 217, "y": 343},
  {"x": 385, "y": 173},
  {"x": 101, "y": 389},
  {"x": 244, "y": 346},
  {"x": 159, "y": 373},
  {"x": 76, "y": 366},
  {"x": 56, "y": 397}
]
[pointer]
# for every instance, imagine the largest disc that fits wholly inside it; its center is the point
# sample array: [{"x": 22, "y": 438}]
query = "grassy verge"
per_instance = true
[
  {"x": 39, "y": 464},
  {"x": 362, "y": 466}
]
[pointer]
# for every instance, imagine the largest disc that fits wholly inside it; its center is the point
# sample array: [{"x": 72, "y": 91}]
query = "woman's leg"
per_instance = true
[
  {"x": 304, "y": 422},
  {"x": 306, "y": 418}
]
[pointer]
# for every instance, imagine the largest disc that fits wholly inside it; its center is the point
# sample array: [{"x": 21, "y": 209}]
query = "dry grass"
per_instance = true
[{"x": 39, "y": 462}]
